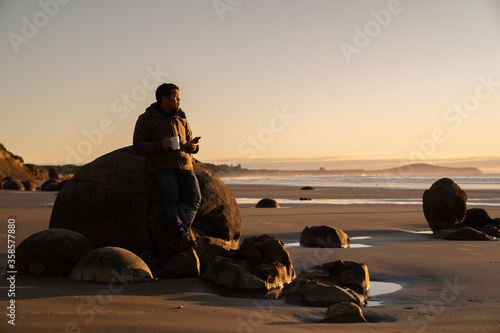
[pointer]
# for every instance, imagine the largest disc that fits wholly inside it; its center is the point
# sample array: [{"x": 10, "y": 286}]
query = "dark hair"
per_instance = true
[{"x": 165, "y": 90}]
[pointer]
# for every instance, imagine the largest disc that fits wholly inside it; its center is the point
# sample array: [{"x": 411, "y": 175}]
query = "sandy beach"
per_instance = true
[{"x": 446, "y": 286}]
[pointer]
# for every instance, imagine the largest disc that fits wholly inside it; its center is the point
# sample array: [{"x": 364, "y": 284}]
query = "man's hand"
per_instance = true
[
  {"x": 192, "y": 146},
  {"x": 165, "y": 144}
]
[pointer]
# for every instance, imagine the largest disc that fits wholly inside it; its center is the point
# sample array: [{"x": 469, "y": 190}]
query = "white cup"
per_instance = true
[{"x": 174, "y": 143}]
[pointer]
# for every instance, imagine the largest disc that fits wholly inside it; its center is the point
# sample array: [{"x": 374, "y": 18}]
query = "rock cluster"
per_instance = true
[
  {"x": 330, "y": 283},
  {"x": 260, "y": 263},
  {"x": 445, "y": 209}
]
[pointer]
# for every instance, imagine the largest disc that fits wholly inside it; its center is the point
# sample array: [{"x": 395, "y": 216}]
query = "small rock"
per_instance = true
[
  {"x": 185, "y": 264},
  {"x": 323, "y": 236},
  {"x": 267, "y": 203}
]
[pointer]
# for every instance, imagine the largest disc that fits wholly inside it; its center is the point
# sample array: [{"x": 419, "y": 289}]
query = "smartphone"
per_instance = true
[{"x": 196, "y": 140}]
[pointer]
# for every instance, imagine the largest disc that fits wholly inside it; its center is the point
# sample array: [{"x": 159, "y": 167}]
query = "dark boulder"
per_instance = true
[
  {"x": 53, "y": 174},
  {"x": 13, "y": 185},
  {"x": 29, "y": 185},
  {"x": 307, "y": 188},
  {"x": 323, "y": 236},
  {"x": 51, "y": 252},
  {"x": 461, "y": 233},
  {"x": 50, "y": 185},
  {"x": 477, "y": 218},
  {"x": 113, "y": 201},
  {"x": 444, "y": 205},
  {"x": 267, "y": 203}
]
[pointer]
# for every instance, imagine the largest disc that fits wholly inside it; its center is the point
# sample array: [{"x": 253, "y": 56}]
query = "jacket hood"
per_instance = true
[{"x": 154, "y": 110}]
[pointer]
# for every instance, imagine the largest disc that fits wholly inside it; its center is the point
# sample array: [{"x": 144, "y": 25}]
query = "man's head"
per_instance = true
[{"x": 168, "y": 96}]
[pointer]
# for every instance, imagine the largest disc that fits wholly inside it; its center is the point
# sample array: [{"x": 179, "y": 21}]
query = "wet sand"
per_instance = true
[{"x": 447, "y": 286}]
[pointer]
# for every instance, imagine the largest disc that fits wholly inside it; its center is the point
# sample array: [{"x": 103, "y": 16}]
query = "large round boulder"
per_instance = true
[
  {"x": 444, "y": 204},
  {"x": 111, "y": 264},
  {"x": 29, "y": 185},
  {"x": 51, "y": 252},
  {"x": 114, "y": 202},
  {"x": 13, "y": 185}
]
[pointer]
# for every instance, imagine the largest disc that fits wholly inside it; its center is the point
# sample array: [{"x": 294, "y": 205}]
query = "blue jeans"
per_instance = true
[{"x": 180, "y": 193}]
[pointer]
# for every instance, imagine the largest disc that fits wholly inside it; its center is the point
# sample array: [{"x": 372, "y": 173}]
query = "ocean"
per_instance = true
[{"x": 420, "y": 182}]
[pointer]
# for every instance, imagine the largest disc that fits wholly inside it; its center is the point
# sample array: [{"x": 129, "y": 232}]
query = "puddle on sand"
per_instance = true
[
  {"x": 378, "y": 288},
  {"x": 424, "y": 231},
  {"x": 352, "y": 245}
]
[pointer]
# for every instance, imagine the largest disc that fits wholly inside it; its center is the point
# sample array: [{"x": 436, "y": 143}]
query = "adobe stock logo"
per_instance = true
[
  {"x": 255, "y": 143},
  {"x": 371, "y": 30},
  {"x": 30, "y": 28}
]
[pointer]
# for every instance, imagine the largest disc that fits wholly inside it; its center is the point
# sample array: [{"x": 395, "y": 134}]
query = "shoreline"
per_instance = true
[{"x": 447, "y": 285}]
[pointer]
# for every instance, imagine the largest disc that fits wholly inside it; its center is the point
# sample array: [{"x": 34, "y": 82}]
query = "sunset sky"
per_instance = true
[{"x": 288, "y": 84}]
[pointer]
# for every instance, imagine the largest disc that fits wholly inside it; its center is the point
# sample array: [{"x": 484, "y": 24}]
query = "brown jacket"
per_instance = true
[{"x": 152, "y": 127}]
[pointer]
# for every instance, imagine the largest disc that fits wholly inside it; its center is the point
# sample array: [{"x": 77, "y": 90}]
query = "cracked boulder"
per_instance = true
[{"x": 114, "y": 202}]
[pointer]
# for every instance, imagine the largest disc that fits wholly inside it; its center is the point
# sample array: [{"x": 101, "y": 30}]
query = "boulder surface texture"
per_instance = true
[{"x": 113, "y": 201}]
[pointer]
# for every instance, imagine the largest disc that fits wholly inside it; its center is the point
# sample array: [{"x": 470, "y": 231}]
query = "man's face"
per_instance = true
[{"x": 173, "y": 103}]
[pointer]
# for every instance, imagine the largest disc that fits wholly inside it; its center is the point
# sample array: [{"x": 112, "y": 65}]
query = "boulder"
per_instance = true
[
  {"x": 114, "y": 202},
  {"x": 50, "y": 185},
  {"x": 323, "y": 236},
  {"x": 477, "y": 218},
  {"x": 307, "y": 188},
  {"x": 444, "y": 205},
  {"x": 13, "y": 185},
  {"x": 53, "y": 174},
  {"x": 267, "y": 203},
  {"x": 260, "y": 263},
  {"x": 330, "y": 283},
  {"x": 313, "y": 293},
  {"x": 461, "y": 233},
  {"x": 29, "y": 185},
  {"x": 347, "y": 274},
  {"x": 51, "y": 252},
  {"x": 111, "y": 264},
  {"x": 344, "y": 312},
  {"x": 185, "y": 264}
]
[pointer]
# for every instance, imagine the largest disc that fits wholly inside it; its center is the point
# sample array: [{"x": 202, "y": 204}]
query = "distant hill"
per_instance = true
[
  {"x": 410, "y": 169},
  {"x": 13, "y": 166},
  {"x": 426, "y": 169}
]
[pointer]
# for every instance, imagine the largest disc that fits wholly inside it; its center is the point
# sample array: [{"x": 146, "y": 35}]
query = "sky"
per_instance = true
[{"x": 265, "y": 83}]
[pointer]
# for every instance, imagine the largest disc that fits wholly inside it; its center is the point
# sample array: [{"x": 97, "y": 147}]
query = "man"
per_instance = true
[{"x": 164, "y": 135}]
